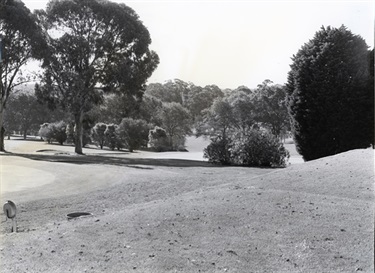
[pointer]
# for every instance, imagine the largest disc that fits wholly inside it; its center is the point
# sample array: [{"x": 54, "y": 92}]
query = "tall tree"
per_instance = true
[
  {"x": 271, "y": 109},
  {"x": 20, "y": 40},
  {"x": 219, "y": 120},
  {"x": 202, "y": 98},
  {"x": 96, "y": 47},
  {"x": 175, "y": 119},
  {"x": 172, "y": 91},
  {"x": 26, "y": 114},
  {"x": 330, "y": 94},
  {"x": 243, "y": 109}
]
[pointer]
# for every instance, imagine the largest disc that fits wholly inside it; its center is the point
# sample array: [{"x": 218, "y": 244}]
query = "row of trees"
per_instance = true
[{"x": 96, "y": 59}]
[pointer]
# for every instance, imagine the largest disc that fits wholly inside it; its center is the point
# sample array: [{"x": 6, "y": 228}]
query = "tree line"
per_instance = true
[
  {"x": 176, "y": 108},
  {"x": 95, "y": 62}
]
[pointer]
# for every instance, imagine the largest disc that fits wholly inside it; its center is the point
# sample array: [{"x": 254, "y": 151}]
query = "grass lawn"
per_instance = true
[{"x": 169, "y": 215}]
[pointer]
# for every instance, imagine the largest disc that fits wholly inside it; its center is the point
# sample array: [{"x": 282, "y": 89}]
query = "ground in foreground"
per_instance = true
[{"x": 312, "y": 217}]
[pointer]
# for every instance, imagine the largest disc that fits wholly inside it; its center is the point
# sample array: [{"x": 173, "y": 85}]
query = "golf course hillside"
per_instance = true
[{"x": 150, "y": 214}]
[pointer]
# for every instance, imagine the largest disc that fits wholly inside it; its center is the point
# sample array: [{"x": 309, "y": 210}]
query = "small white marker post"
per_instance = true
[{"x": 10, "y": 211}]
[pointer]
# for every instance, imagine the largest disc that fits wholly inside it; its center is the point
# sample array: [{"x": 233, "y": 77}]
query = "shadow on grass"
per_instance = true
[{"x": 116, "y": 161}]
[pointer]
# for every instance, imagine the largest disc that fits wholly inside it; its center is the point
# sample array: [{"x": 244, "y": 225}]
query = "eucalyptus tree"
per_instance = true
[
  {"x": 176, "y": 121},
  {"x": 271, "y": 110},
  {"x": 95, "y": 47},
  {"x": 21, "y": 39}
]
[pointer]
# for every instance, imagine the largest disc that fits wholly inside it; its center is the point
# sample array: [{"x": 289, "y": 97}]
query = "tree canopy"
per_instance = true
[
  {"x": 21, "y": 39},
  {"x": 330, "y": 94},
  {"x": 95, "y": 47}
]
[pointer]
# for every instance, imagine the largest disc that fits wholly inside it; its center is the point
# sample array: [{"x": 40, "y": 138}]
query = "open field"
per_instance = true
[{"x": 168, "y": 215}]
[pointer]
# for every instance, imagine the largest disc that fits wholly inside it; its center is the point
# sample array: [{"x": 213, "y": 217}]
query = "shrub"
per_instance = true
[
  {"x": 157, "y": 139},
  {"x": 219, "y": 151},
  {"x": 98, "y": 134},
  {"x": 259, "y": 149},
  {"x": 112, "y": 138},
  {"x": 54, "y": 131},
  {"x": 133, "y": 133},
  {"x": 255, "y": 149},
  {"x": 45, "y": 132},
  {"x": 70, "y": 133}
]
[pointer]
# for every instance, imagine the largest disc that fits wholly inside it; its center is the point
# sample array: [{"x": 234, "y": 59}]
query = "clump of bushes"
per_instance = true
[
  {"x": 133, "y": 133},
  {"x": 53, "y": 132},
  {"x": 219, "y": 151},
  {"x": 256, "y": 148}
]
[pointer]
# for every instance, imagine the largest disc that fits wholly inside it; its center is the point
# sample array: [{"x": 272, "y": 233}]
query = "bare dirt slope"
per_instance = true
[{"x": 179, "y": 216}]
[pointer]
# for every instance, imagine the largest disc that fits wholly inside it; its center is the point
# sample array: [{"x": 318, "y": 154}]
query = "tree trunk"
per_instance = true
[
  {"x": 25, "y": 134},
  {"x": 78, "y": 118},
  {"x": 2, "y": 130},
  {"x": 2, "y": 135},
  {"x": 2, "y": 94}
]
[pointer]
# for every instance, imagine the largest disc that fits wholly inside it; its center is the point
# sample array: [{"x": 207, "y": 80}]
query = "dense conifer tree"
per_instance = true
[{"x": 330, "y": 94}]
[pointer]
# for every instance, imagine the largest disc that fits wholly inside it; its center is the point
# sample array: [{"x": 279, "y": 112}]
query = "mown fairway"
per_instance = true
[{"x": 187, "y": 216}]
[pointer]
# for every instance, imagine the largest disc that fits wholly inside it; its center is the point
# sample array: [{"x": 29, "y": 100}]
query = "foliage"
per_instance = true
[
  {"x": 259, "y": 148},
  {"x": 331, "y": 94},
  {"x": 243, "y": 110},
  {"x": 118, "y": 106},
  {"x": 158, "y": 140},
  {"x": 98, "y": 134},
  {"x": 175, "y": 119},
  {"x": 219, "y": 120},
  {"x": 149, "y": 108},
  {"x": 133, "y": 133},
  {"x": 22, "y": 39},
  {"x": 256, "y": 148},
  {"x": 92, "y": 44},
  {"x": 271, "y": 110},
  {"x": 200, "y": 99},
  {"x": 70, "y": 132},
  {"x": 88, "y": 122},
  {"x": 54, "y": 131},
  {"x": 112, "y": 137},
  {"x": 219, "y": 151},
  {"x": 26, "y": 114},
  {"x": 45, "y": 132},
  {"x": 171, "y": 91}
]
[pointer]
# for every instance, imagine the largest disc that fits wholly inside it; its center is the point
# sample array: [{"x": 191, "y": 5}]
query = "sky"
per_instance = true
[{"x": 234, "y": 43}]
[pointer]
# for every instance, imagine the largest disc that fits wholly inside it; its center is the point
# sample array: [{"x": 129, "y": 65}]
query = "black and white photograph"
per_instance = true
[{"x": 187, "y": 136}]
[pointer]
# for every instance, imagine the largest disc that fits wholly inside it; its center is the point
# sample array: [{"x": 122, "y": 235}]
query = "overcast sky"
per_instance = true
[{"x": 233, "y": 43}]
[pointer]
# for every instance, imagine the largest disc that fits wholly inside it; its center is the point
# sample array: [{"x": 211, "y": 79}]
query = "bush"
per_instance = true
[
  {"x": 112, "y": 138},
  {"x": 219, "y": 151},
  {"x": 255, "y": 149},
  {"x": 98, "y": 134},
  {"x": 259, "y": 149},
  {"x": 133, "y": 133},
  {"x": 70, "y": 133},
  {"x": 54, "y": 131},
  {"x": 45, "y": 132},
  {"x": 158, "y": 140}
]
